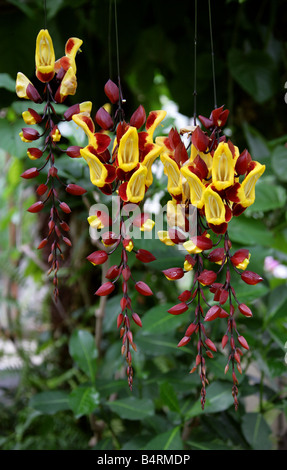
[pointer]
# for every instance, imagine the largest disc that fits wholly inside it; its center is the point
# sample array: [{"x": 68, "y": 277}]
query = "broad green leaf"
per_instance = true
[
  {"x": 50, "y": 402},
  {"x": 256, "y": 431},
  {"x": 83, "y": 350},
  {"x": 7, "y": 82},
  {"x": 249, "y": 231},
  {"x": 132, "y": 408},
  {"x": 279, "y": 162},
  {"x": 269, "y": 196},
  {"x": 218, "y": 398},
  {"x": 84, "y": 400},
  {"x": 169, "y": 440},
  {"x": 169, "y": 397},
  {"x": 157, "y": 320},
  {"x": 155, "y": 345},
  {"x": 255, "y": 72}
]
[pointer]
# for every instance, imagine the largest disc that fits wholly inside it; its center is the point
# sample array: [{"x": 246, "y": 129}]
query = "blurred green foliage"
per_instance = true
[{"x": 76, "y": 396}]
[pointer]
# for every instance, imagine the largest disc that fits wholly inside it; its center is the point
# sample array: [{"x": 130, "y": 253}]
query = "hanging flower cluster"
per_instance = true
[
  {"x": 219, "y": 183},
  {"x": 120, "y": 159},
  {"x": 56, "y": 79}
]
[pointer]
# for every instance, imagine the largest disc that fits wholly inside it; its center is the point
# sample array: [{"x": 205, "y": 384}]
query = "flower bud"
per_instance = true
[
  {"x": 36, "y": 207},
  {"x": 245, "y": 310},
  {"x": 136, "y": 319},
  {"x": 212, "y": 313},
  {"x": 183, "y": 341},
  {"x": 145, "y": 256},
  {"x": 74, "y": 151},
  {"x": 65, "y": 208},
  {"x": 207, "y": 277},
  {"x": 75, "y": 189},
  {"x": 224, "y": 341},
  {"x": 251, "y": 278},
  {"x": 105, "y": 289},
  {"x": 104, "y": 119},
  {"x": 173, "y": 273},
  {"x": 210, "y": 344},
  {"x": 243, "y": 342},
  {"x": 240, "y": 259},
  {"x": 98, "y": 257},
  {"x": 185, "y": 296},
  {"x": 178, "y": 309},
  {"x": 138, "y": 117},
  {"x": 112, "y": 91},
  {"x": 112, "y": 272},
  {"x": 143, "y": 288}
]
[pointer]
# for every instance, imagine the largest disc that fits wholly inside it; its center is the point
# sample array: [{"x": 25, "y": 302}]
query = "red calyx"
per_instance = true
[
  {"x": 212, "y": 313},
  {"x": 242, "y": 162},
  {"x": 239, "y": 256},
  {"x": 113, "y": 272},
  {"x": 143, "y": 288},
  {"x": 207, "y": 277},
  {"x": 75, "y": 189},
  {"x": 145, "y": 256},
  {"x": 98, "y": 257},
  {"x": 178, "y": 309},
  {"x": 112, "y": 91},
  {"x": 245, "y": 310},
  {"x": 30, "y": 133},
  {"x": 251, "y": 278},
  {"x": 216, "y": 255},
  {"x": 138, "y": 118},
  {"x": 36, "y": 207},
  {"x": 199, "y": 139},
  {"x": 105, "y": 289},
  {"x": 73, "y": 151},
  {"x": 104, "y": 119},
  {"x": 184, "y": 296},
  {"x": 31, "y": 173},
  {"x": 173, "y": 273}
]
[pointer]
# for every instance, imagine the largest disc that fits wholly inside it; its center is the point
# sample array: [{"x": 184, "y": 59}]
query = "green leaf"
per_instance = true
[
  {"x": 7, "y": 82},
  {"x": 169, "y": 397},
  {"x": 255, "y": 72},
  {"x": 50, "y": 402},
  {"x": 218, "y": 398},
  {"x": 249, "y": 231},
  {"x": 84, "y": 400},
  {"x": 256, "y": 431},
  {"x": 269, "y": 196},
  {"x": 83, "y": 350},
  {"x": 279, "y": 162},
  {"x": 169, "y": 440},
  {"x": 158, "y": 320},
  {"x": 132, "y": 408}
]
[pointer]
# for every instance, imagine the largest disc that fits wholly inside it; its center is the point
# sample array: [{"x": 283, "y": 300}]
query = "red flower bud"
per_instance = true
[
  {"x": 210, "y": 344},
  {"x": 224, "y": 341},
  {"x": 120, "y": 319},
  {"x": 178, "y": 309},
  {"x": 173, "y": 273},
  {"x": 223, "y": 313},
  {"x": 224, "y": 294},
  {"x": 112, "y": 91},
  {"x": 104, "y": 119},
  {"x": 98, "y": 257},
  {"x": 65, "y": 208},
  {"x": 73, "y": 151},
  {"x": 138, "y": 118},
  {"x": 242, "y": 162},
  {"x": 143, "y": 288},
  {"x": 212, "y": 313},
  {"x": 42, "y": 243},
  {"x": 202, "y": 242},
  {"x": 35, "y": 152},
  {"x": 217, "y": 255},
  {"x": 67, "y": 241},
  {"x": 136, "y": 319},
  {"x": 42, "y": 188},
  {"x": 243, "y": 342},
  {"x": 36, "y": 207},
  {"x": 69, "y": 113},
  {"x": 239, "y": 256},
  {"x": 105, "y": 289},
  {"x": 145, "y": 256},
  {"x": 33, "y": 94},
  {"x": 199, "y": 139},
  {"x": 126, "y": 273},
  {"x": 31, "y": 173},
  {"x": 245, "y": 310},
  {"x": 30, "y": 133},
  {"x": 251, "y": 278},
  {"x": 75, "y": 190},
  {"x": 112, "y": 272},
  {"x": 183, "y": 341},
  {"x": 191, "y": 329},
  {"x": 184, "y": 296},
  {"x": 109, "y": 238},
  {"x": 207, "y": 277}
]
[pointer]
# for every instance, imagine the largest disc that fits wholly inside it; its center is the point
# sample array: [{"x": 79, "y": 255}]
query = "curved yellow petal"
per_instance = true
[
  {"x": 98, "y": 171},
  {"x": 44, "y": 56},
  {"x": 206, "y": 157},
  {"x": 128, "y": 152},
  {"x": 196, "y": 187},
  {"x": 214, "y": 207},
  {"x": 223, "y": 167},
  {"x": 153, "y": 120},
  {"x": 172, "y": 172},
  {"x": 149, "y": 160},
  {"x": 246, "y": 192},
  {"x": 136, "y": 185}
]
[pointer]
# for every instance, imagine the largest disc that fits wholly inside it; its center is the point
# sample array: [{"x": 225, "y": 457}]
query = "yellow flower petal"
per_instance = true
[
  {"x": 246, "y": 192},
  {"x": 214, "y": 207},
  {"x": 223, "y": 167},
  {"x": 136, "y": 185},
  {"x": 171, "y": 170},
  {"x": 44, "y": 56},
  {"x": 98, "y": 171},
  {"x": 128, "y": 152},
  {"x": 196, "y": 187},
  {"x": 164, "y": 238}
]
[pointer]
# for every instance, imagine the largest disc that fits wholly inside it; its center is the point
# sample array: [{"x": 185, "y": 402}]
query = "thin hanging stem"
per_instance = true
[
  {"x": 212, "y": 55},
  {"x": 195, "y": 62},
  {"x": 109, "y": 39},
  {"x": 45, "y": 15}
]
